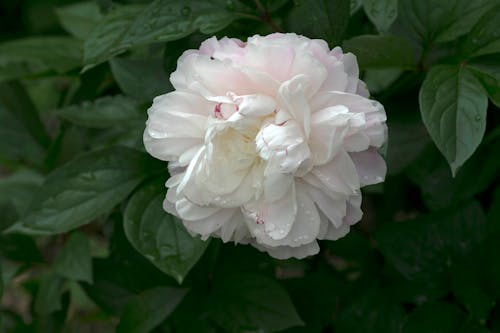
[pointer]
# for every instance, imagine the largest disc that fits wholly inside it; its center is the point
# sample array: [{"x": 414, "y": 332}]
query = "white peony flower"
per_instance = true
[{"x": 269, "y": 142}]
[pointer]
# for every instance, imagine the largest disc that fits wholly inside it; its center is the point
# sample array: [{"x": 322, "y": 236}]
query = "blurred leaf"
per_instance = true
[
  {"x": 85, "y": 188},
  {"x": 484, "y": 38},
  {"x": 323, "y": 292},
  {"x": 79, "y": 19},
  {"x": 372, "y": 311},
  {"x": 160, "y": 237},
  {"x": 39, "y": 55},
  {"x": 18, "y": 187},
  {"x": 440, "y": 21},
  {"x": 143, "y": 79},
  {"x": 325, "y": 19},
  {"x": 355, "y": 5},
  {"x": 381, "y": 12},
  {"x": 453, "y": 107},
  {"x": 48, "y": 296},
  {"x": 249, "y": 302},
  {"x": 1, "y": 286},
  {"x": 441, "y": 190},
  {"x": 16, "y": 144},
  {"x": 423, "y": 249},
  {"x": 108, "y": 111},
  {"x": 74, "y": 261},
  {"x": 468, "y": 288},
  {"x": 160, "y": 21},
  {"x": 20, "y": 248},
  {"x": 407, "y": 141},
  {"x": 148, "y": 309},
  {"x": 379, "y": 80},
  {"x": 373, "y": 51},
  {"x": 487, "y": 70},
  {"x": 494, "y": 212},
  {"x": 438, "y": 317},
  {"x": 16, "y": 101}
]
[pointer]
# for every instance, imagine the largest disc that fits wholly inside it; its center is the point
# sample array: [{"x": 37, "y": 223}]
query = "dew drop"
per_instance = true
[
  {"x": 185, "y": 11},
  {"x": 391, "y": 14},
  {"x": 477, "y": 117}
]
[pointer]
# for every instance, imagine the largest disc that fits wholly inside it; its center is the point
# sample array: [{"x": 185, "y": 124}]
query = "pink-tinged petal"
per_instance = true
[
  {"x": 334, "y": 210},
  {"x": 256, "y": 105},
  {"x": 339, "y": 175},
  {"x": 291, "y": 96},
  {"x": 353, "y": 211},
  {"x": 370, "y": 165},
  {"x": 272, "y": 220},
  {"x": 235, "y": 229}
]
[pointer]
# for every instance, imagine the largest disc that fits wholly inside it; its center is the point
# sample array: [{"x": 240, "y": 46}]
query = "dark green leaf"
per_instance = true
[
  {"x": 19, "y": 248},
  {"x": 16, "y": 101},
  {"x": 381, "y": 12},
  {"x": 423, "y": 249},
  {"x": 381, "y": 51},
  {"x": 79, "y": 19},
  {"x": 160, "y": 21},
  {"x": 438, "y": 317},
  {"x": 453, "y": 107},
  {"x": 39, "y": 55},
  {"x": 85, "y": 188},
  {"x": 141, "y": 78},
  {"x": 439, "y": 21},
  {"x": 373, "y": 311},
  {"x": 74, "y": 261},
  {"x": 441, "y": 190},
  {"x": 245, "y": 302},
  {"x": 160, "y": 237},
  {"x": 325, "y": 19},
  {"x": 109, "y": 111},
  {"x": 148, "y": 309},
  {"x": 487, "y": 70},
  {"x": 468, "y": 288},
  {"x": 484, "y": 38},
  {"x": 48, "y": 296}
]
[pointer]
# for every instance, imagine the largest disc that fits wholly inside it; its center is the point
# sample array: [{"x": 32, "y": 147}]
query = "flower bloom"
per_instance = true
[{"x": 269, "y": 142}]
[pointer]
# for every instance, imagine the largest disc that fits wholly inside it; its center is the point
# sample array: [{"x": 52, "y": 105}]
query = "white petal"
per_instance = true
[
  {"x": 339, "y": 175},
  {"x": 206, "y": 226},
  {"x": 287, "y": 252},
  {"x": 370, "y": 165}
]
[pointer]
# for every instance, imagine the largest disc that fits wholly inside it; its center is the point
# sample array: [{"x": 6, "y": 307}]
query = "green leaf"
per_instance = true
[
  {"x": 74, "y": 261},
  {"x": 108, "y": 111},
  {"x": 39, "y": 55},
  {"x": 487, "y": 71},
  {"x": 385, "y": 51},
  {"x": 148, "y": 309},
  {"x": 422, "y": 249},
  {"x": 160, "y": 237},
  {"x": 85, "y": 188},
  {"x": 453, "y": 107},
  {"x": 79, "y": 19},
  {"x": 373, "y": 311},
  {"x": 16, "y": 191},
  {"x": 468, "y": 288},
  {"x": 382, "y": 13},
  {"x": 325, "y": 19},
  {"x": 48, "y": 296},
  {"x": 434, "y": 317},
  {"x": 431, "y": 21},
  {"x": 20, "y": 248},
  {"x": 143, "y": 79},
  {"x": 1, "y": 283},
  {"x": 249, "y": 302},
  {"x": 484, "y": 38},
  {"x": 160, "y": 21},
  {"x": 441, "y": 190},
  {"x": 16, "y": 101}
]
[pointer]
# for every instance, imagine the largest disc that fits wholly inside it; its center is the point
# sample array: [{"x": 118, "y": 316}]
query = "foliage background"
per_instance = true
[{"x": 85, "y": 246}]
